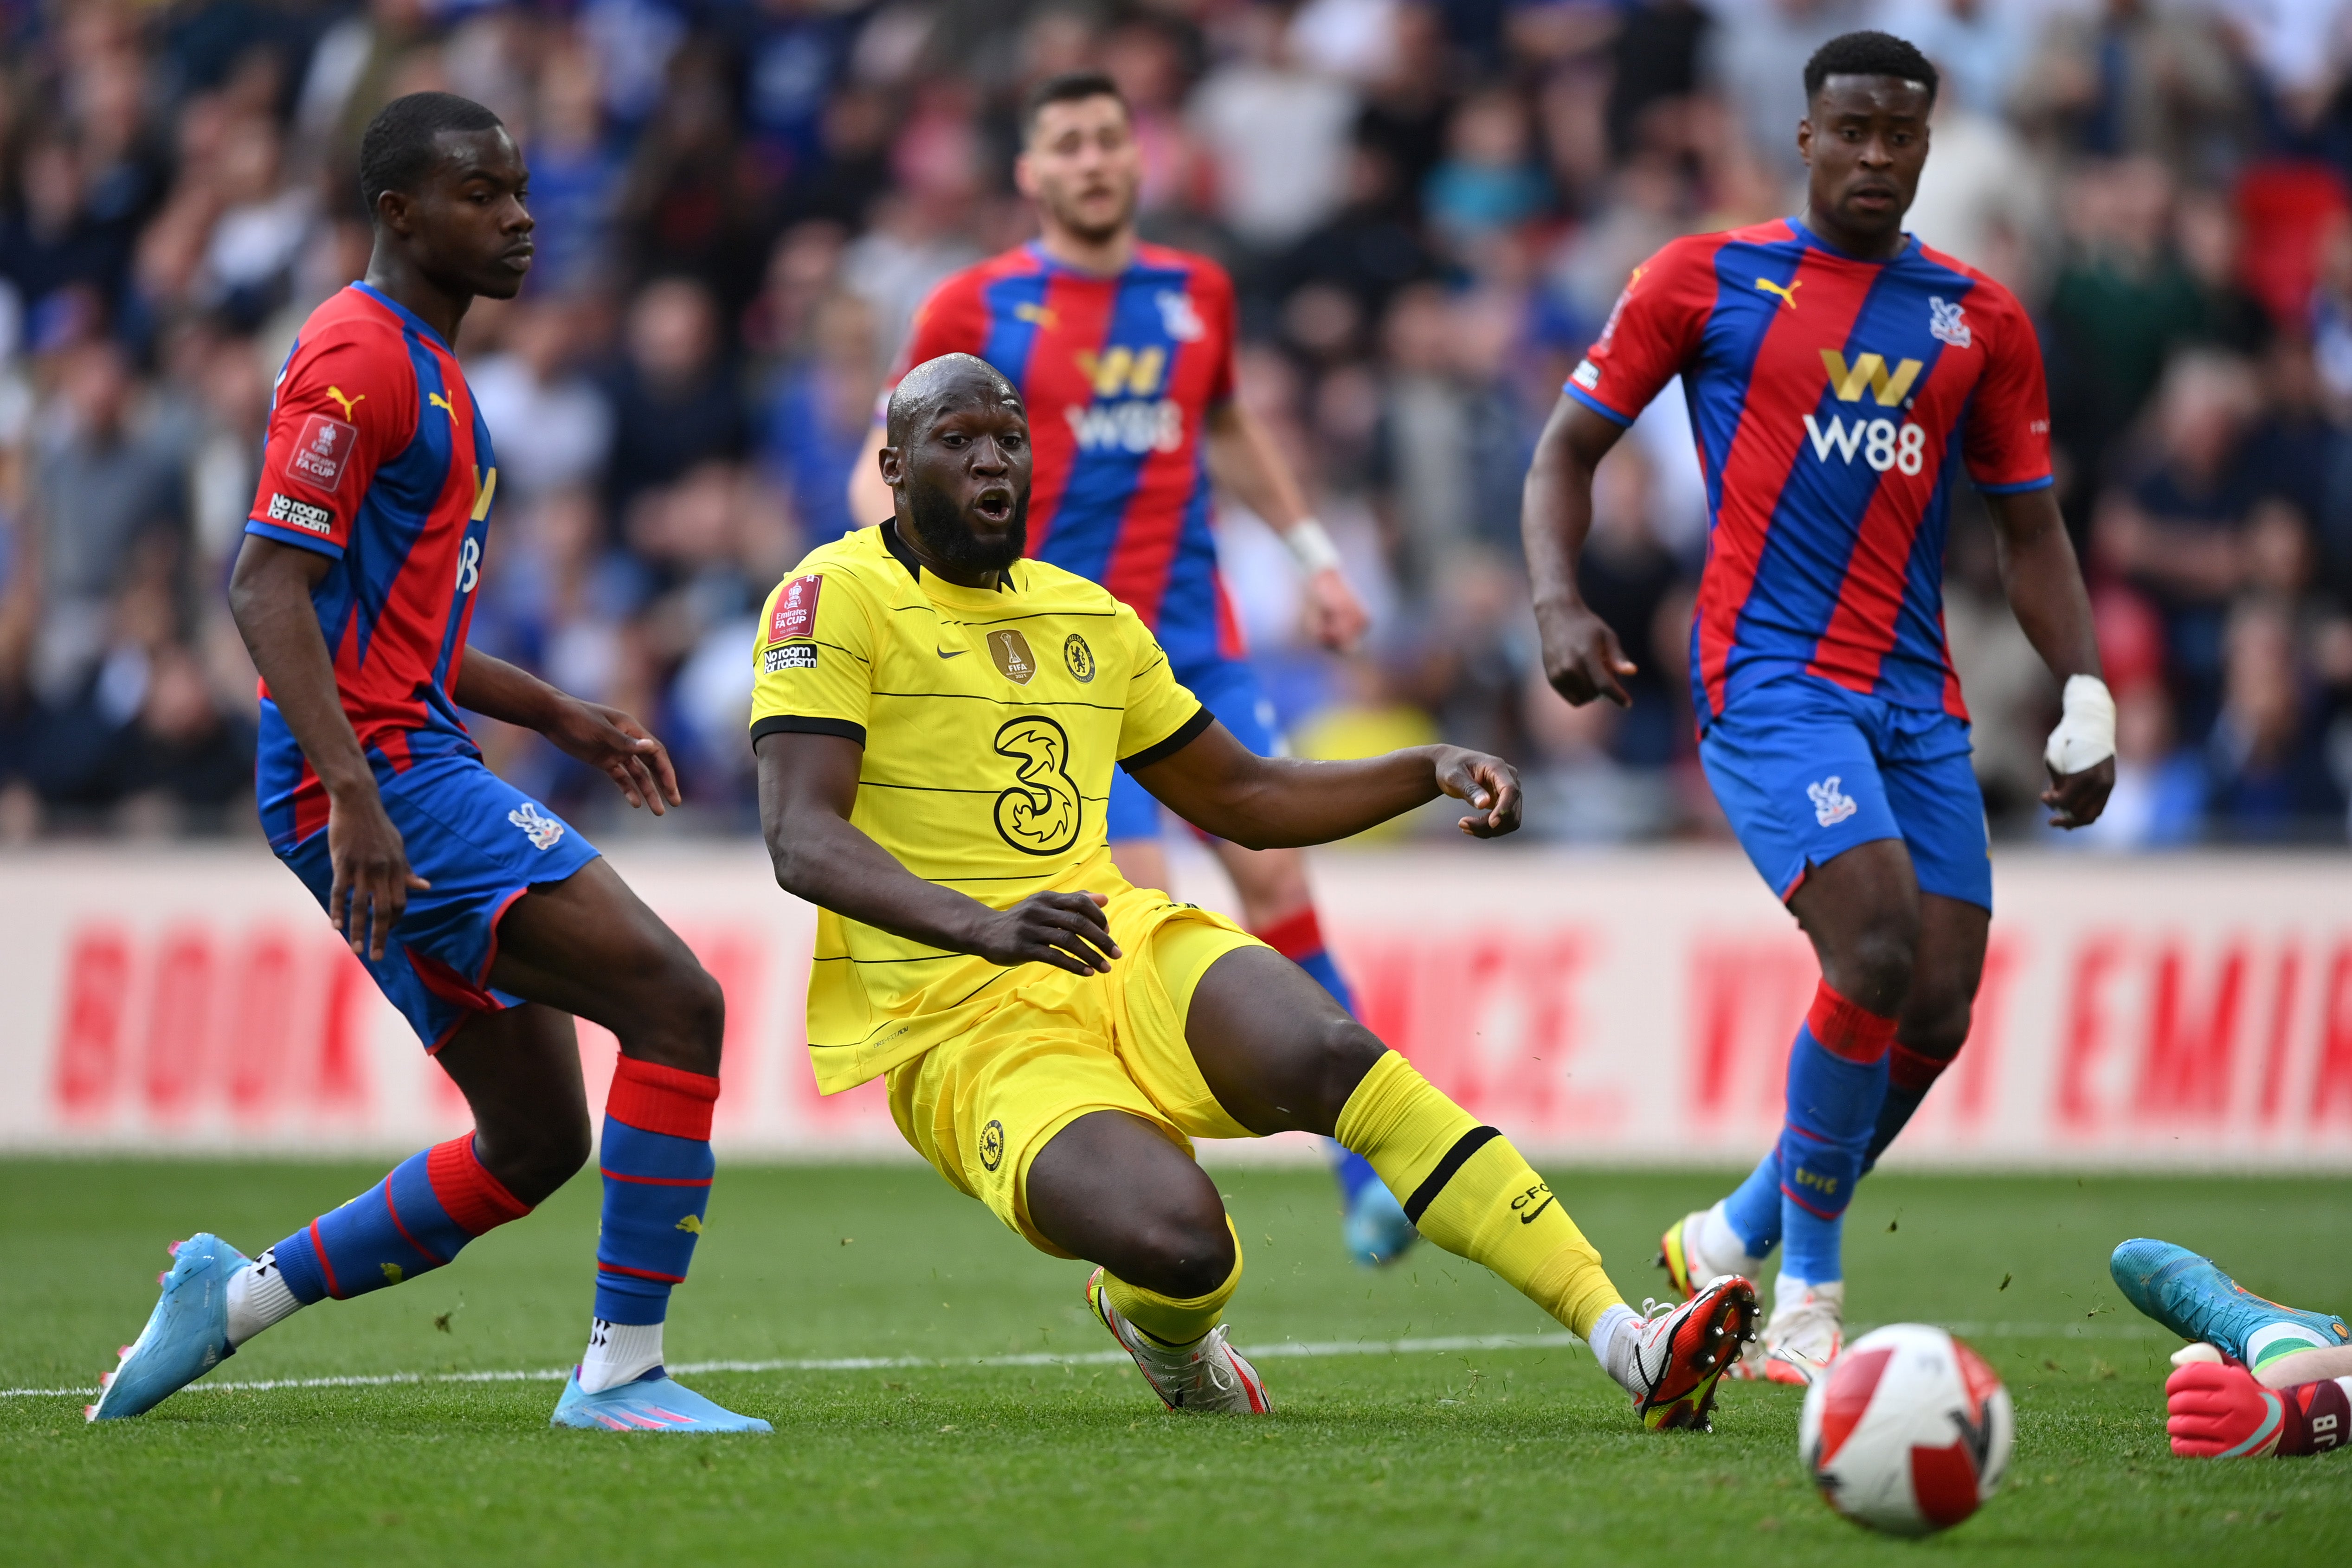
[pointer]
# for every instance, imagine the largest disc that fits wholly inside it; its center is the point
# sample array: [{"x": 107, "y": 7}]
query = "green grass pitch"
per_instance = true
[{"x": 1511, "y": 1455}]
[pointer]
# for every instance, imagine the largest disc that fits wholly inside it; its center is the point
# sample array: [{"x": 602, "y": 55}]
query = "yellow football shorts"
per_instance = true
[{"x": 980, "y": 1105}]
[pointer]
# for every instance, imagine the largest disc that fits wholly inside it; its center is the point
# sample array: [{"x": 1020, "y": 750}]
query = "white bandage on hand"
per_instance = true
[
  {"x": 2085, "y": 736},
  {"x": 1311, "y": 548}
]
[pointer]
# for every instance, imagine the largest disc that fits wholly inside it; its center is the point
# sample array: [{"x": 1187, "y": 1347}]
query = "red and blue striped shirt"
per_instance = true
[
  {"x": 377, "y": 458},
  {"x": 1834, "y": 400},
  {"x": 1119, "y": 374}
]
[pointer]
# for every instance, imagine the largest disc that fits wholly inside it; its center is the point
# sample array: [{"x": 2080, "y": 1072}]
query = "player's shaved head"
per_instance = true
[
  {"x": 957, "y": 460},
  {"x": 936, "y": 385}
]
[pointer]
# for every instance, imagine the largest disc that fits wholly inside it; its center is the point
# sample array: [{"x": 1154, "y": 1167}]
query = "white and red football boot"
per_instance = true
[
  {"x": 1806, "y": 1330},
  {"x": 1206, "y": 1376}
]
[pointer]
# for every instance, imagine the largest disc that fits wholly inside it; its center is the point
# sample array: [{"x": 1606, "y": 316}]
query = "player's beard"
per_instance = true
[
  {"x": 939, "y": 524},
  {"x": 1091, "y": 232}
]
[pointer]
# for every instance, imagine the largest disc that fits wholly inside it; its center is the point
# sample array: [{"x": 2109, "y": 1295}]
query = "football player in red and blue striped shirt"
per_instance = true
[
  {"x": 1123, "y": 353},
  {"x": 1840, "y": 376},
  {"x": 484, "y": 917}
]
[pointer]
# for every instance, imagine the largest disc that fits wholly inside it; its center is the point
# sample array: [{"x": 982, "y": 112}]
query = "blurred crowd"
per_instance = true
[{"x": 1429, "y": 209}]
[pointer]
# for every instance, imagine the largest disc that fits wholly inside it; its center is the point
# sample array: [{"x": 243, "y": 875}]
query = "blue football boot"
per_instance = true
[
  {"x": 2191, "y": 1296},
  {"x": 650, "y": 1404},
  {"x": 186, "y": 1336},
  {"x": 1375, "y": 1228}
]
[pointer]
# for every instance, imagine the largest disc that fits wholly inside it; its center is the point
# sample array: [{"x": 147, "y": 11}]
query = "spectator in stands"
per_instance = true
[
  {"x": 1277, "y": 135},
  {"x": 1429, "y": 208},
  {"x": 551, "y": 425},
  {"x": 575, "y": 178},
  {"x": 2174, "y": 526},
  {"x": 674, "y": 398},
  {"x": 820, "y": 411},
  {"x": 2269, "y": 768},
  {"x": 2158, "y": 801},
  {"x": 2121, "y": 305},
  {"x": 106, "y": 488},
  {"x": 2125, "y": 78}
]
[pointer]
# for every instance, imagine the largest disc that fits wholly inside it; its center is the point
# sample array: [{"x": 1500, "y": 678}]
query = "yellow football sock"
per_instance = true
[
  {"x": 1165, "y": 1319},
  {"x": 1466, "y": 1189}
]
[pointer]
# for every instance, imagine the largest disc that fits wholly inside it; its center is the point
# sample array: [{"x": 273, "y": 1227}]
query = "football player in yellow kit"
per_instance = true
[{"x": 935, "y": 720}]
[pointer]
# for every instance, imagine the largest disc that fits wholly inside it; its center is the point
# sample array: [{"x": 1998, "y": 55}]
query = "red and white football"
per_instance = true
[{"x": 1907, "y": 1432}]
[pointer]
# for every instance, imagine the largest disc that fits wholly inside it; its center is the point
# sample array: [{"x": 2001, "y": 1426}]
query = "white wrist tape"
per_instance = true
[
  {"x": 1311, "y": 548},
  {"x": 2085, "y": 736}
]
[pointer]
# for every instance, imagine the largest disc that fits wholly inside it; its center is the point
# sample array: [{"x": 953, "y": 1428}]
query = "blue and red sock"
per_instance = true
[
  {"x": 1299, "y": 938},
  {"x": 1754, "y": 1207},
  {"x": 1909, "y": 1076},
  {"x": 657, "y": 1168},
  {"x": 412, "y": 1221},
  {"x": 1837, "y": 1078}
]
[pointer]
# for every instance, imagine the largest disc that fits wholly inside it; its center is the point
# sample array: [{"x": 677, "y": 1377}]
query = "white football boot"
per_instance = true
[
  {"x": 1205, "y": 1375},
  {"x": 1806, "y": 1330}
]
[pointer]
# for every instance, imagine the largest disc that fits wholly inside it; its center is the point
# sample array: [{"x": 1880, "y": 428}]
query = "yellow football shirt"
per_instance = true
[{"x": 991, "y": 720}]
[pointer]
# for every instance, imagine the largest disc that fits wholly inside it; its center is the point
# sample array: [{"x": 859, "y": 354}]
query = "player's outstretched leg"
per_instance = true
[
  {"x": 1279, "y": 1055},
  {"x": 1280, "y": 910},
  {"x": 1110, "y": 1187},
  {"x": 527, "y": 1143},
  {"x": 590, "y": 946},
  {"x": 2191, "y": 1295}
]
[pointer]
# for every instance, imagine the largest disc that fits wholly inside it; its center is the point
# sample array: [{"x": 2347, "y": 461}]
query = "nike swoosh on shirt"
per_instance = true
[{"x": 943, "y": 654}]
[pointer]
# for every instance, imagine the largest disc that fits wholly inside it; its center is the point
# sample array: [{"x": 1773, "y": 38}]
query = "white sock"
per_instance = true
[
  {"x": 618, "y": 1353},
  {"x": 257, "y": 1297},
  {"x": 1614, "y": 1339},
  {"x": 1724, "y": 1249}
]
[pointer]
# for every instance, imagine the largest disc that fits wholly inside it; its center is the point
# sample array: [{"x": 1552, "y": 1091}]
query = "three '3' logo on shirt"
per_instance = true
[{"x": 1038, "y": 813}]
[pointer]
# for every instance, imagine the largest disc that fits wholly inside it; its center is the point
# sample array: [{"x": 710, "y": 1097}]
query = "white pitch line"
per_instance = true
[{"x": 1288, "y": 1350}]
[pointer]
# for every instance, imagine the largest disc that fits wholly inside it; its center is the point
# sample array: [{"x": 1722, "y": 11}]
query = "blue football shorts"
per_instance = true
[
  {"x": 1806, "y": 770},
  {"x": 1228, "y": 688},
  {"x": 482, "y": 843}
]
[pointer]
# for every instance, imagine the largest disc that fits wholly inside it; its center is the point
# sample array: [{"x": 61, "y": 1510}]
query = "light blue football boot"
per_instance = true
[
  {"x": 652, "y": 1402},
  {"x": 1374, "y": 1226},
  {"x": 2191, "y": 1296},
  {"x": 186, "y": 1336}
]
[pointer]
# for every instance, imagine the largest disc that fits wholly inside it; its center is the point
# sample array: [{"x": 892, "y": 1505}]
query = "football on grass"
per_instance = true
[{"x": 1907, "y": 1432}]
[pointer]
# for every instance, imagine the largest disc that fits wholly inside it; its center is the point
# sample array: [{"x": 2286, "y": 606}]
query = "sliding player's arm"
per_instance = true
[
  {"x": 1220, "y": 786},
  {"x": 808, "y": 786},
  {"x": 2007, "y": 448},
  {"x": 603, "y": 737},
  {"x": 342, "y": 405},
  {"x": 1581, "y": 656}
]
